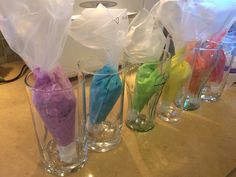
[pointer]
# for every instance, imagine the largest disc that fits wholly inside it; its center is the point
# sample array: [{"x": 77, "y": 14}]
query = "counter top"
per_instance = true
[{"x": 203, "y": 144}]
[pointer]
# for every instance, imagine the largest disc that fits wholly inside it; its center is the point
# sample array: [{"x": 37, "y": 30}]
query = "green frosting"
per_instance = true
[{"x": 149, "y": 80}]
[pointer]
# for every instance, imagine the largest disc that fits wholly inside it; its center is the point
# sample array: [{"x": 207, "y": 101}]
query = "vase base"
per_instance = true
[
  {"x": 192, "y": 104},
  {"x": 103, "y": 146},
  {"x": 169, "y": 119},
  {"x": 210, "y": 98},
  {"x": 54, "y": 166},
  {"x": 140, "y": 125},
  {"x": 104, "y": 136},
  {"x": 63, "y": 172},
  {"x": 170, "y": 114}
]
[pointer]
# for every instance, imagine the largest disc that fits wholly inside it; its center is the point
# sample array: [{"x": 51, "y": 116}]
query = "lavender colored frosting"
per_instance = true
[{"x": 55, "y": 101}]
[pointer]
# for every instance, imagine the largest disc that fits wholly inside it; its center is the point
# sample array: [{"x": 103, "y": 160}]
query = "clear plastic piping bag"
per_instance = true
[
  {"x": 195, "y": 20},
  {"x": 37, "y": 31},
  {"x": 102, "y": 28}
]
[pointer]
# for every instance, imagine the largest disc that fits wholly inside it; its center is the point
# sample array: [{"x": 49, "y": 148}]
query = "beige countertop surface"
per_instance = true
[{"x": 203, "y": 144}]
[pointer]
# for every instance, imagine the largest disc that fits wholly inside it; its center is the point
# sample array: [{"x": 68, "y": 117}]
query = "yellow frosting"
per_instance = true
[{"x": 178, "y": 76}]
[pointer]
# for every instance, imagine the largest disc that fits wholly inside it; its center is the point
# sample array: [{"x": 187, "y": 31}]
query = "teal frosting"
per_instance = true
[{"x": 105, "y": 90}]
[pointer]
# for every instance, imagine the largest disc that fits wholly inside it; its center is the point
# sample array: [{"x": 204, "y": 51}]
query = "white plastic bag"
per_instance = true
[
  {"x": 145, "y": 39},
  {"x": 37, "y": 30},
  {"x": 102, "y": 28},
  {"x": 198, "y": 20}
]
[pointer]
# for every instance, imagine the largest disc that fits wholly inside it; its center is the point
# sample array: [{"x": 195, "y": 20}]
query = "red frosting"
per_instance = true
[{"x": 204, "y": 61}]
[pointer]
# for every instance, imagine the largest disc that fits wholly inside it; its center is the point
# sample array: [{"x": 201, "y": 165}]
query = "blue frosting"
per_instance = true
[{"x": 105, "y": 90}]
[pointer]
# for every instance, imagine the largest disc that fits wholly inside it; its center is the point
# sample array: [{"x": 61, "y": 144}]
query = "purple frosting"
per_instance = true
[{"x": 55, "y": 101}]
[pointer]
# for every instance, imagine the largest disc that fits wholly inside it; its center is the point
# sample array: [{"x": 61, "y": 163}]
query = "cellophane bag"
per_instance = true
[
  {"x": 37, "y": 30},
  {"x": 194, "y": 22},
  {"x": 104, "y": 29},
  {"x": 145, "y": 43}
]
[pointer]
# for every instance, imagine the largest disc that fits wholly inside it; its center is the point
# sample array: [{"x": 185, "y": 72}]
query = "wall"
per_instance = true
[{"x": 6, "y": 54}]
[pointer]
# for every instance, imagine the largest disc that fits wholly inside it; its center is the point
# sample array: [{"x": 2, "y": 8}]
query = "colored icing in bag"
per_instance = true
[
  {"x": 37, "y": 31},
  {"x": 196, "y": 21},
  {"x": 105, "y": 29},
  {"x": 149, "y": 80},
  {"x": 228, "y": 45},
  {"x": 217, "y": 74},
  {"x": 104, "y": 92},
  {"x": 179, "y": 74},
  {"x": 204, "y": 64},
  {"x": 55, "y": 101},
  {"x": 144, "y": 45}
]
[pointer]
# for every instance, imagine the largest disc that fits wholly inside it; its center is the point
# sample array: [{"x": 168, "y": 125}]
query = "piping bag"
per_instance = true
[
  {"x": 104, "y": 92},
  {"x": 102, "y": 28},
  {"x": 192, "y": 21},
  {"x": 144, "y": 45},
  {"x": 217, "y": 74},
  {"x": 149, "y": 80},
  {"x": 180, "y": 72},
  {"x": 37, "y": 30},
  {"x": 204, "y": 64}
]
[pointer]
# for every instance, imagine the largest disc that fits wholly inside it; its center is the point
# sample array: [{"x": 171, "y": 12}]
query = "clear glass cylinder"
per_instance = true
[
  {"x": 174, "y": 92},
  {"x": 59, "y": 125},
  {"x": 103, "y": 97},
  {"x": 205, "y": 60},
  {"x": 144, "y": 84},
  {"x": 218, "y": 78}
]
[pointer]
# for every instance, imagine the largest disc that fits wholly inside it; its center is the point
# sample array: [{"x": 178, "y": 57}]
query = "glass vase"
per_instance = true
[
  {"x": 103, "y": 98},
  {"x": 205, "y": 59},
  {"x": 218, "y": 78},
  {"x": 144, "y": 84},
  {"x": 174, "y": 92}
]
